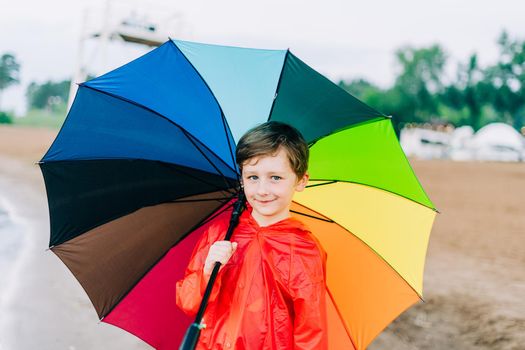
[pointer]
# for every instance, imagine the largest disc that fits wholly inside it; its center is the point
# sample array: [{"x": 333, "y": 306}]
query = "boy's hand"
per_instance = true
[{"x": 220, "y": 251}]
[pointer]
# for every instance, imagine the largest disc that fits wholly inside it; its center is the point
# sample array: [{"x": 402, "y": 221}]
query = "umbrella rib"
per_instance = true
[
  {"x": 351, "y": 126},
  {"x": 206, "y": 157},
  {"x": 372, "y": 249},
  {"x": 218, "y": 212},
  {"x": 225, "y": 206},
  {"x": 329, "y": 182},
  {"x": 412, "y": 170},
  {"x": 198, "y": 200},
  {"x": 214, "y": 97},
  {"x": 322, "y": 184},
  {"x": 341, "y": 317},
  {"x": 311, "y": 216},
  {"x": 226, "y": 128},
  {"x": 278, "y": 84},
  {"x": 157, "y": 114},
  {"x": 227, "y": 189}
]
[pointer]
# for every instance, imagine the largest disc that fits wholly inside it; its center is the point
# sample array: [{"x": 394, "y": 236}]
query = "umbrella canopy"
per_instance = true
[{"x": 145, "y": 162}]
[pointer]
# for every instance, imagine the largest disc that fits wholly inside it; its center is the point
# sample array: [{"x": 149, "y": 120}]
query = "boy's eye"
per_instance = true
[
  {"x": 276, "y": 178},
  {"x": 253, "y": 177}
]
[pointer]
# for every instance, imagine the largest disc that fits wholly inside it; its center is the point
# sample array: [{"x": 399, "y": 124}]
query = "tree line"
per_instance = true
[
  {"x": 476, "y": 96},
  {"x": 420, "y": 93},
  {"x": 51, "y": 96}
]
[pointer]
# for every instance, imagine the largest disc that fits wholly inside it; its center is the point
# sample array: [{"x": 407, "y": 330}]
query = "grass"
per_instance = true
[{"x": 42, "y": 118}]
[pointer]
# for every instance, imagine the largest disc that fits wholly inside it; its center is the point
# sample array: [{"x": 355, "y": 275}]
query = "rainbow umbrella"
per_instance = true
[{"x": 145, "y": 162}]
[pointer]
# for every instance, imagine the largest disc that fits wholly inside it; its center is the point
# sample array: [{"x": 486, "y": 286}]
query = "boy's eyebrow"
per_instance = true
[{"x": 282, "y": 173}]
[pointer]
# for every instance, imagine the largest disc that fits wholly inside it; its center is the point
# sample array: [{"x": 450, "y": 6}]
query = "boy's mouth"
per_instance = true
[{"x": 264, "y": 201}]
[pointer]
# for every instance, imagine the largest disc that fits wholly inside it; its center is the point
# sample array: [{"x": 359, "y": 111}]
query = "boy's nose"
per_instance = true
[{"x": 262, "y": 188}]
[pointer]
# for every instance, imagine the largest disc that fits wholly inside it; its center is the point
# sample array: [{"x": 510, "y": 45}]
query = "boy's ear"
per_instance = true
[{"x": 302, "y": 182}]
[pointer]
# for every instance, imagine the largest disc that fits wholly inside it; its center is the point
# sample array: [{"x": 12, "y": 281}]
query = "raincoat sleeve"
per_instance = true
[
  {"x": 308, "y": 291},
  {"x": 190, "y": 289}
]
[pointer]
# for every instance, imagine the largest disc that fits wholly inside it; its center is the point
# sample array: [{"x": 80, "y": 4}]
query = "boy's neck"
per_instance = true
[{"x": 264, "y": 221}]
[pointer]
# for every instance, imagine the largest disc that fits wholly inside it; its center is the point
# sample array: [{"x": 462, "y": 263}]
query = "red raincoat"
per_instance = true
[{"x": 271, "y": 293}]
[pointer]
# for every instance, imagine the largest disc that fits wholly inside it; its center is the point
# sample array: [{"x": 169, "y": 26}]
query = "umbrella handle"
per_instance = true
[
  {"x": 191, "y": 337},
  {"x": 193, "y": 332}
]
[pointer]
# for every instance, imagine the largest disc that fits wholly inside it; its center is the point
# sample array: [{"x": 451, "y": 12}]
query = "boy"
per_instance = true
[{"x": 270, "y": 291}]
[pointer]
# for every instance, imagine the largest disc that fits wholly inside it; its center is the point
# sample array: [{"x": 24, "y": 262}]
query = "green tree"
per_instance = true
[
  {"x": 5, "y": 118},
  {"x": 49, "y": 95},
  {"x": 420, "y": 81},
  {"x": 9, "y": 72},
  {"x": 477, "y": 96},
  {"x": 507, "y": 79},
  {"x": 469, "y": 92},
  {"x": 359, "y": 88},
  {"x": 391, "y": 101}
]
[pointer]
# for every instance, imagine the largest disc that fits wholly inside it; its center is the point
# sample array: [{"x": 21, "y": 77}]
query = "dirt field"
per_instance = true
[{"x": 474, "y": 285}]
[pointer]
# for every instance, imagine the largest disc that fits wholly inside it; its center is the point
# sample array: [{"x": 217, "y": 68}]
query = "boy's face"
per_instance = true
[{"x": 269, "y": 184}]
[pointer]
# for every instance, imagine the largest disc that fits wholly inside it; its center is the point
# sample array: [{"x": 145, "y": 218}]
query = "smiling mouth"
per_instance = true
[{"x": 264, "y": 201}]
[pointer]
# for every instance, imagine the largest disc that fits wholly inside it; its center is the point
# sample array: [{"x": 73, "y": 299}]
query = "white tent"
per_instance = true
[
  {"x": 493, "y": 142},
  {"x": 497, "y": 142},
  {"x": 459, "y": 143}
]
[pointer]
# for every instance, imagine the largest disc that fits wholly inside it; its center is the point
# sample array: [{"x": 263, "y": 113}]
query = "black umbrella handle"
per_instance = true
[{"x": 194, "y": 330}]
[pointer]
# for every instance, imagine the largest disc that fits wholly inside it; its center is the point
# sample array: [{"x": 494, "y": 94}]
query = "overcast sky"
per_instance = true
[{"x": 341, "y": 39}]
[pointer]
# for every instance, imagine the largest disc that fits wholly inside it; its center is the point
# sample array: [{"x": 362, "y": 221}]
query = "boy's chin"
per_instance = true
[
  {"x": 268, "y": 213},
  {"x": 265, "y": 213}
]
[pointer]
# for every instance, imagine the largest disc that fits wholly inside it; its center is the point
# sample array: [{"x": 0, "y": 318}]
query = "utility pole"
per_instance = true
[{"x": 128, "y": 29}]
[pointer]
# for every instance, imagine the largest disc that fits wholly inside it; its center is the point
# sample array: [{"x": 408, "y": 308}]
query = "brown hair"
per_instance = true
[{"x": 267, "y": 138}]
